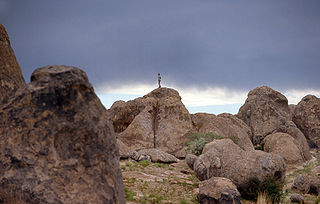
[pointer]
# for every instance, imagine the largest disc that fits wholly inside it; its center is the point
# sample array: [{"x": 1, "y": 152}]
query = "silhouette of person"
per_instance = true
[{"x": 159, "y": 80}]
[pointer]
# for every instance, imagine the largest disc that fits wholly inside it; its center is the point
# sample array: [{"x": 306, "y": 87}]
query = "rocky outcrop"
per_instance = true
[
  {"x": 56, "y": 144},
  {"x": 225, "y": 125},
  {"x": 157, "y": 120},
  {"x": 286, "y": 146},
  {"x": 218, "y": 190},
  {"x": 307, "y": 118},
  {"x": 158, "y": 156},
  {"x": 10, "y": 73},
  {"x": 264, "y": 111},
  {"x": 226, "y": 159}
]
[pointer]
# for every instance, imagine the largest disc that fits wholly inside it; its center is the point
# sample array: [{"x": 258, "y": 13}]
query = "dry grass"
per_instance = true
[{"x": 263, "y": 198}]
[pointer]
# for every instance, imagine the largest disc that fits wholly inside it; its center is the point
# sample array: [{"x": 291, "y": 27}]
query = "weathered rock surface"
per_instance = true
[
  {"x": 264, "y": 111},
  {"x": 158, "y": 155},
  {"x": 190, "y": 159},
  {"x": 301, "y": 184},
  {"x": 314, "y": 185},
  {"x": 290, "y": 128},
  {"x": 225, "y": 125},
  {"x": 124, "y": 151},
  {"x": 307, "y": 118},
  {"x": 284, "y": 145},
  {"x": 56, "y": 144},
  {"x": 218, "y": 190},
  {"x": 296, "y": 198},
  {"x": 157, "y": 120},
  {"x": 10, "y": 73},
  {"x": 226, "y": 159}
]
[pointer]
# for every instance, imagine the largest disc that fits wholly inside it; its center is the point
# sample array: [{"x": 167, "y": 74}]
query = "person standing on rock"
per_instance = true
[{"x": 159, "y": 80}]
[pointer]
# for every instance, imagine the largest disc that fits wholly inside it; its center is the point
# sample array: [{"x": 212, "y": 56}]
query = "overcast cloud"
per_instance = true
[{"x": 233, "y": 44}]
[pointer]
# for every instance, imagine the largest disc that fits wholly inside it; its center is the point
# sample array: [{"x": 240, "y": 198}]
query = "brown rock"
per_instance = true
[
  {"x": 157, "y": 120},
  {"x": 10, "y": 73},
  {"x": 292, "y": 107},
  {"x": 301, "y": 184},
  {"x": 56, "y": 144},
  {"x": 190, "y": 159},
  {"x": 218, "y": 190},
  {"x": 158, "y": 155},
  {"x": 307, "y": 118},
  {"x": 124, "y": 151},
  {"x": 224, "y": 125},
  {"x": 290, "y": 128},
  {"x": 226, "y": 159},
  {"x": 284, "y": 145},
  {"x": 264, "y": 111}
]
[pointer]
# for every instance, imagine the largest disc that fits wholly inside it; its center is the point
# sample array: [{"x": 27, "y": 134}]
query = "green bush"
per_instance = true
[
  {"x": 129, "y": 194},
  {"x": 317, "y": 200},
  {"x": 144, "y": 163},
  {"x": 197, "y": 141}
]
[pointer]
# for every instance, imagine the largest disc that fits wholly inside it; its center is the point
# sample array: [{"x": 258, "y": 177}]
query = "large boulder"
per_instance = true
[
  {"x": 286, "y": 146},
  {"x": 264, "y": 111},
  {"x": 10, "y": 73},
  {"x": 225, "y": 125},
  {"x": 290, "y": 128},
  {"x": 157, "y": 120},
  {"x": 218, "y": 190},
  {"x": 226, "y": 159},
  {"x": 307, "y": 118},
  {"x": 56, "y": 144}
]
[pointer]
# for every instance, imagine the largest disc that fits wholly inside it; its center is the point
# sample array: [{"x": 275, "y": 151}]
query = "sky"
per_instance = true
[{"x": 212, "y": 51}]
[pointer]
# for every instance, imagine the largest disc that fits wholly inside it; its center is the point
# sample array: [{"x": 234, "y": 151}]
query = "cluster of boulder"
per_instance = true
[
  {"x": 58, "y": 144},
  {"x": 159, "y": 121}
]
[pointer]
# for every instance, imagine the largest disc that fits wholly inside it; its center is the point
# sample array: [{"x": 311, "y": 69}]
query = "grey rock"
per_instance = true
[
  {"x": 301, "y": 184},
  {"x": 218, "y": 190},
  {"x": 296, "y": 198},
  {"x": 158, "y": 156},
  {"x": 190, "y": 159},
  {"x": 226, "y": 159}
]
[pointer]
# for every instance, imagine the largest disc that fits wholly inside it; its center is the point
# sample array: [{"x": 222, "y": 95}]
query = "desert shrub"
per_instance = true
[
  {"x": 144, "y": 163},
  {"x": 129, "y": 194},
  {"x": 270, "y": 188},
  {"x": 183, "y": 201},
  {"x": 317, "y": 200},
  {"x": 197, "y": 141}
]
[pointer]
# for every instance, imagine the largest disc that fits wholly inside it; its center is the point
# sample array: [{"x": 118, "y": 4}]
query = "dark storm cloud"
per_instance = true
[{"x": 234, "y": 44}]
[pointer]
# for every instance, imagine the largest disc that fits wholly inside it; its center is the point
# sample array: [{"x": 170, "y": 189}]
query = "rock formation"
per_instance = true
[
  {"x": 264, "y": 111},
  {"x": 218, "y": 190},
  {"x": 10, "y": 73},
  {"x": 157, "y": 120},
  {"x": 224, "y": 125},
  {"x": 286, "y": 146},
  {"x": 158, "y": 155},
  {"x": 226, "y": 159},
  {"x": 56, "y": 144},
  {"x": 307, "y": 118},
  {"x": 301, "y": 184}
]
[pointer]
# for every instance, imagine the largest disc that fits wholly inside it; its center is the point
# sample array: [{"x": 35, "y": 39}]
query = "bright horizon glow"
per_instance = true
[{"x": 210, "y": 100}]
